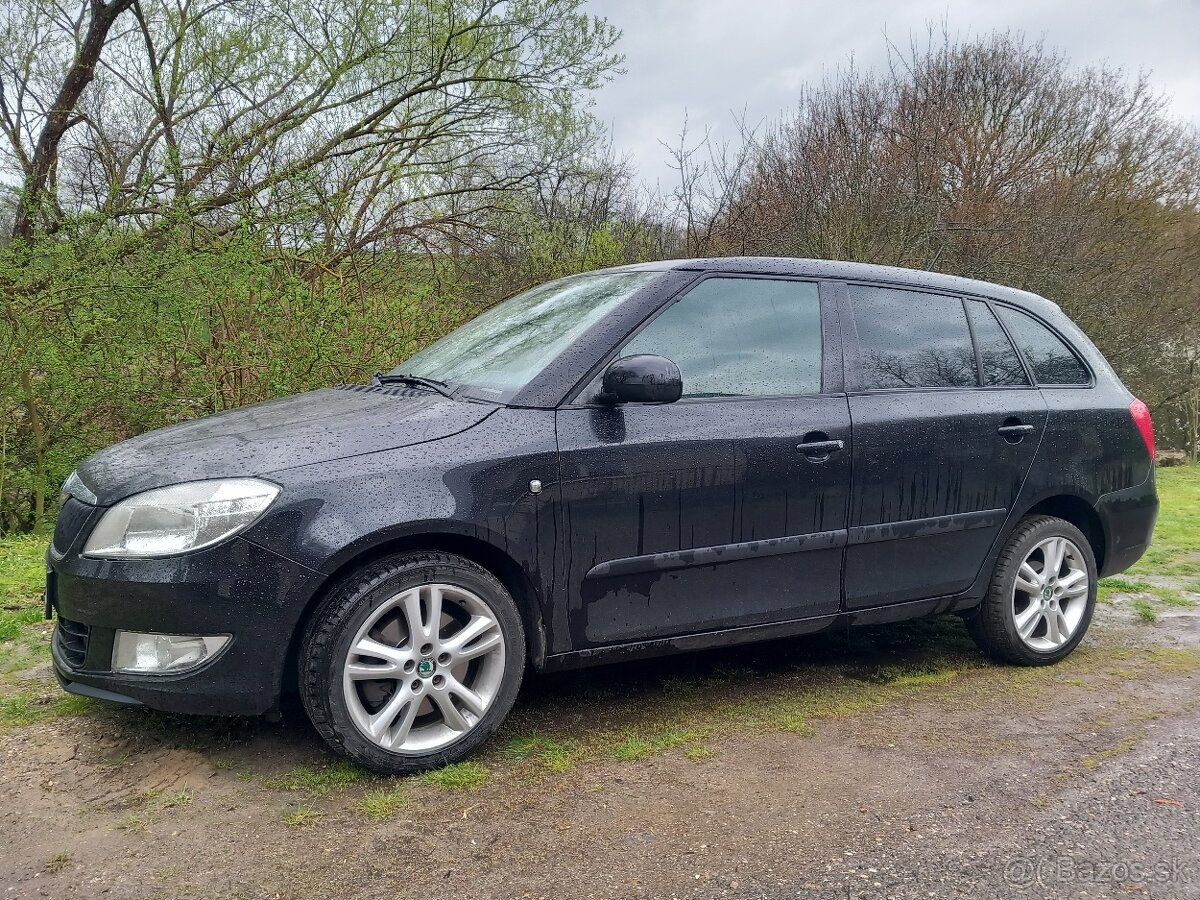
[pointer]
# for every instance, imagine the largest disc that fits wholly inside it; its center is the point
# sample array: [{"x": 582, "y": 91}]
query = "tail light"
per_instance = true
[{"x": 1141, "y": 418}]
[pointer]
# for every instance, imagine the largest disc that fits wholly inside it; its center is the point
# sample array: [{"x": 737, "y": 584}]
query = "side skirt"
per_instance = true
[{"x": 879, "y": 615}]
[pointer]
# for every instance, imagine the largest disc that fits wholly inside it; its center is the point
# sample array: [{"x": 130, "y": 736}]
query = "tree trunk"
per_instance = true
[
  {"x": 60, "y": 119},
  {"x": 41, "y": 472}
]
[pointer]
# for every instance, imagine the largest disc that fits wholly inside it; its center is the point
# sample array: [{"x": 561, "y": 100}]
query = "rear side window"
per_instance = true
[
  {"x": 1052, "y": 361},
  {"x": 912, "y": 339},
  {"x": 741, "y": 337},
  {"x": 1000, "y": 362}
]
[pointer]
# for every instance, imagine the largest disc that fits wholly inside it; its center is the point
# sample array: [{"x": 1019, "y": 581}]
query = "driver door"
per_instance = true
[{"x": 728, "y": 507}]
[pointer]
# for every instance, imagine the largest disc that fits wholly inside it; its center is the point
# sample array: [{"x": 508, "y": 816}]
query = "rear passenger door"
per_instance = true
[{"x": 945, "y": 423}]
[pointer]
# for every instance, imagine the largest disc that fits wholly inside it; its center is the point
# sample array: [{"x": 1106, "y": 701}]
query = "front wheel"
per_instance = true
[
  {"x": 1043, "y": 591},
  {"x": 413, "y": 662}
]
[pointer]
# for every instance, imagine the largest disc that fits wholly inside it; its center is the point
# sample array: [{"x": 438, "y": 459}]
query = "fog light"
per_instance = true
[{"x": 168, "y": 653}]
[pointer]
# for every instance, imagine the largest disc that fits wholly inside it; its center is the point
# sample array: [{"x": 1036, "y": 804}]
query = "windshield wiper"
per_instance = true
[{"x": 432, "y": 383}]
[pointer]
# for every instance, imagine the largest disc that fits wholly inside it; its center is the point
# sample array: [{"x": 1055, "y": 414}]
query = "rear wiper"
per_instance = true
[{"x": 432, "y": 383}]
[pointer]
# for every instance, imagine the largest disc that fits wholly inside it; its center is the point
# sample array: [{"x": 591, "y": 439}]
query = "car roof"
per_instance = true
[{"x": 850, "y": 271}]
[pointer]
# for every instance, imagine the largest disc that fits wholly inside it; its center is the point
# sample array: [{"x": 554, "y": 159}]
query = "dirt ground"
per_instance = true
[{"x": 887, "y": 763}]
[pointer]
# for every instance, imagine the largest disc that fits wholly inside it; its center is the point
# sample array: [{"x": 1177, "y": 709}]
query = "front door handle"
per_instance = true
[
  {"x": 1014, "y": 430},
  {"x": 820, "y": 448}
]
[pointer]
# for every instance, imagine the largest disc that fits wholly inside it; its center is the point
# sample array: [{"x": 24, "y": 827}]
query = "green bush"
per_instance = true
[
  {"x": 107, "y": 337},
  {"x": 108, "y": 334}
]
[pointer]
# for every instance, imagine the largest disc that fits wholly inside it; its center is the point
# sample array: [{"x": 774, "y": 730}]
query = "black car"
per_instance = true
[{"x": 631, "y": 462}]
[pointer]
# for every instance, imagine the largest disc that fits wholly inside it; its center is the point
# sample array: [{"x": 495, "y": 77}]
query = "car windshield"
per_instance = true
[{"x": 498, "y": 353}]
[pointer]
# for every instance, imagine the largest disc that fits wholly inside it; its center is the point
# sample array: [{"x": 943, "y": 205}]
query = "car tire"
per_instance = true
[
  {"x": 1036, "y": 613},
  {"x": 400, "y": 688}
]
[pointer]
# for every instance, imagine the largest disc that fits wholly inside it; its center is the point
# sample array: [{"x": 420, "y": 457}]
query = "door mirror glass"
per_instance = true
[{"x": 644, "y": 378}]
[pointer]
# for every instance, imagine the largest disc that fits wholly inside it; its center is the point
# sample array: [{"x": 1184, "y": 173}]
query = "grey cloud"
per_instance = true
[{"x": 716, "y": 58}]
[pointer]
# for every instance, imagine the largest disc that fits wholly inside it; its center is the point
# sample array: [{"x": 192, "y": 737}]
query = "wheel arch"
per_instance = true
[
  {"x": 1080, "y": 513},
  {"x": 488, "y": 555}
]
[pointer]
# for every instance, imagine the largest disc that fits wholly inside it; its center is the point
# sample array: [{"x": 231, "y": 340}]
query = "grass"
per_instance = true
[
  {"x": 57, "y": 862},
  {"x": 910, "y": 674},
  {"x": 383, "y": 804},
  {"x": 699, "y": 753},
  {"x": 24, "y": 633},
  {"x": 1144, "y": 610},
  {"x": 1109, "y": 587},
  {"x": 134, "y": 823},
  {"x": 180, "y": 798},
  {"x": 1112, "y": 587},
  {"x": 1174, "y": 553},
  {"x": 1095, "y": 760},
  {"x": 1176, "y": 660},
  {"x": 22, "y": 569},
  {"x": 1172, "y": 597},
  {"x": 28, "y": 707},
  {"x": 1176, "y": 548},
  {"x": 794, "y": 723},
  {"x": 317, "y": 781},
  {"x": 468, "y": 775},
  {"x": 302, "y": 817},
  {"x": 555, "y": 756},
  {"x": 640, "y": 745}
]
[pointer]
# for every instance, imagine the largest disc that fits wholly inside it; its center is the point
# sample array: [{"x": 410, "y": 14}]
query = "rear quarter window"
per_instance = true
[
  {"x": 1052, "y": 361},
  {"x": 1000, "y": 364}
]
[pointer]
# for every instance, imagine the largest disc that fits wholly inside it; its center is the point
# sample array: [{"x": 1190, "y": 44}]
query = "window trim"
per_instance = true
[
  {"x": 826, "y": 310},
  {"x": 1091, "y": 382},
  {"x": 979, "y": 379}
]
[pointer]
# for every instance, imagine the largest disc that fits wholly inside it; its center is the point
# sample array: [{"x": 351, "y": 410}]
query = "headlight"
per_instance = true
[{"x": 180, "y": 518}]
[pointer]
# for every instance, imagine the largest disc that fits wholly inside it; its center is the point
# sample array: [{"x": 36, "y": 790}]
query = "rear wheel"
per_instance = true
[
  {"x": 413, "y": 662},
  {"x": 1041, "y": 597}
]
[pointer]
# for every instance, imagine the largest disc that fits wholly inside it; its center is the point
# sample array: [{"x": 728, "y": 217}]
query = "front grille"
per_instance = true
[{"x": 72, "y": 640}]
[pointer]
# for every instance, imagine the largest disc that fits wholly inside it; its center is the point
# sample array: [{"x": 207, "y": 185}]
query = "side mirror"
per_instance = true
[{"x": 641, "y": 379}]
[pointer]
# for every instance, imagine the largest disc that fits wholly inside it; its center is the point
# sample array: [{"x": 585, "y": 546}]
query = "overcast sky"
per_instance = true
[{"x": 716, "y": 57}]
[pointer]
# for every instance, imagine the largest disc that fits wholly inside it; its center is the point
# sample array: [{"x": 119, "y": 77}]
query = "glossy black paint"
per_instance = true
[
  {"x": 642, "y": 379},
  {"x": 658, "y": 528}
]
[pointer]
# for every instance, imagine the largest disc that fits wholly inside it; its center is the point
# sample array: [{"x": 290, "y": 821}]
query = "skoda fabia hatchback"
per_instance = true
[{"x": 631, "y": 462}]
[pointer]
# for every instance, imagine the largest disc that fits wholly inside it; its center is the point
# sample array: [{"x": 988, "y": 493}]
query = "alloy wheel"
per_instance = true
[
  {"x": 1050, "y": 595},
  {"x": 424, "y": 668}
]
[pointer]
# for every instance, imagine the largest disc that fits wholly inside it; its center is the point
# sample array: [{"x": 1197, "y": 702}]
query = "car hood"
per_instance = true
[{"x": 320, "y": 426}]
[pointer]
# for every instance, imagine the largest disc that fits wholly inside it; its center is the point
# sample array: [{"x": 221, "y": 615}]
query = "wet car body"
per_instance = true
[{"x": 620, "y": 530}]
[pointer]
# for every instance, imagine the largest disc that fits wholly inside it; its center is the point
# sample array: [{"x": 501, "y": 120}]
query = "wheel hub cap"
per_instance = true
[
  {"x": 423, "y": 668},
  {"x": 1051, "y": 594}
]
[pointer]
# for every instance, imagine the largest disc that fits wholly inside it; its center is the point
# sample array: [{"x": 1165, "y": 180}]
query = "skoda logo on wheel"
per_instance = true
[{"x": 425, "y": 667}]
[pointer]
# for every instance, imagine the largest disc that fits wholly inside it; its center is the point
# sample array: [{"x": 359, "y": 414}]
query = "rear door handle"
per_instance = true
[
  {"x": 1014, "y": 430},
  {"x": 820, "y": 448}
]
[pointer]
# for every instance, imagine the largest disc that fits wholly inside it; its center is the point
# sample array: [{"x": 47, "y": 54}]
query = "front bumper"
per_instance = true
[{"x": 235, "y": 588}]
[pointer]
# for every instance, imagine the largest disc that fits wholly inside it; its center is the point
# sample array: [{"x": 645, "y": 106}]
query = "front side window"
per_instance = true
[
  {"x": 1050, "y": 358},
  {"x": 501, "y": 351},
  {"x": 911, "y": 339},
  {"x": 740, "y": 337},
  {"x": 1001, "y": 364}
]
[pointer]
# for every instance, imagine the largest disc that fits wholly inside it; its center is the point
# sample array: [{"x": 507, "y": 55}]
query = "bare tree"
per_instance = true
[
  {"x": 36, "y": 147},
  {"x": 996, "y": 158},
  {"x": 710, "y": 174},
  {"x": 338, "y": 123}
]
